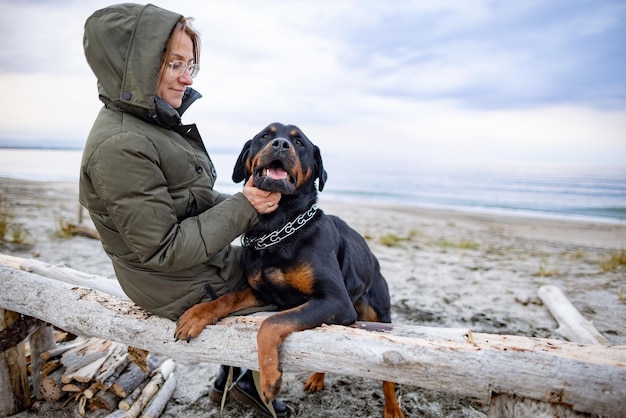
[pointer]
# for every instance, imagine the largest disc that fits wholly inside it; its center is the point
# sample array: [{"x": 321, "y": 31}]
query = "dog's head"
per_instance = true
[{"x": 281, "y": 159}]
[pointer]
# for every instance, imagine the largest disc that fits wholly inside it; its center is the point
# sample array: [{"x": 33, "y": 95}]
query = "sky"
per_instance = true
[{"x": 540, "y": 80}]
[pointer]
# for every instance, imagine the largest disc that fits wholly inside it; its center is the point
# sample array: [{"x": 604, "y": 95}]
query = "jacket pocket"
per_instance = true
[{"x": 185, "y": 203}]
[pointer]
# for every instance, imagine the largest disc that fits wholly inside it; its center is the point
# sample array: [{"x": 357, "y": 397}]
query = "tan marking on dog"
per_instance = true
[
  {"x": 269, "y": 339},
  {"x": 392, "y": 408},
  {"x": 314, "y": 383},
  {"x": 299, "y": 277},
  {"x": 254, "y": 280},
  {"x": 192, "y": 322},
  {"x": 365, "y": 312},
  {"x": 302, "y": 177},
  {"x": 253, "y": 162}
]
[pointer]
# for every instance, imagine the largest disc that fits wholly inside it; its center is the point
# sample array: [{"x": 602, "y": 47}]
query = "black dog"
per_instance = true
[{"x": 315, "y": 267}]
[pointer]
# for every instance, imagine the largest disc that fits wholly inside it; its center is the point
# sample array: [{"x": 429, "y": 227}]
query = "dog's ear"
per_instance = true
[
  {"x": 240, "y": 172},
  {"x": 321, "y": 173}
]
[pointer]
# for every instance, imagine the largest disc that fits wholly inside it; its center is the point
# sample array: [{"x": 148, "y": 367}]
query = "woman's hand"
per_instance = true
[{"x": 263, "y": 201}]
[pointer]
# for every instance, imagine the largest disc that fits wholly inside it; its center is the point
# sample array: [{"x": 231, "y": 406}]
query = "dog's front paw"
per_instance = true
[
  {"x": 314, "y": 383},
  {"x": 271, "y": 383},
  {"x": 193, "y": 321}
]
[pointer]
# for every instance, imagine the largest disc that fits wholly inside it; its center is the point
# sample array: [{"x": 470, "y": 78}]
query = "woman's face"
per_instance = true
[{"x": 171, "y": 88}]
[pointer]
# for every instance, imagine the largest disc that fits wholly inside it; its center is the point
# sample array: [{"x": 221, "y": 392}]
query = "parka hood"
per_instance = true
[{"x": 123, "y": 46}]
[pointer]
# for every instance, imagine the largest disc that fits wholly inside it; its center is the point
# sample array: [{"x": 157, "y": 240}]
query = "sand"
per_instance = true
[{"x": 444, "y": 268}]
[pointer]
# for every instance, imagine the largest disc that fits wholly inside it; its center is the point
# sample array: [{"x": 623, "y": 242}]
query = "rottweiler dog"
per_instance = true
[{"x": 313, "y": 266}]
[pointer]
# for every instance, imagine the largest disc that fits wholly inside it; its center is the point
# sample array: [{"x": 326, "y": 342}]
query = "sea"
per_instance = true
[{"x": 595, "y": 192}]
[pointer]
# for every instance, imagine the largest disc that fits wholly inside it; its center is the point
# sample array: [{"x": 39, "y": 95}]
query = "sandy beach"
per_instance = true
[{"x": 444, "y": 268}]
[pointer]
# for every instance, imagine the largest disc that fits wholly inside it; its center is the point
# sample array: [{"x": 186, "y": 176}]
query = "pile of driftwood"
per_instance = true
[{"x": 101, "y": 374}]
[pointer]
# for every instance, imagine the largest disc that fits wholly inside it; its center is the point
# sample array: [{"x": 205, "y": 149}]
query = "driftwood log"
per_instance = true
[
  {"x": 133, "y": 377},
  {"x": 64, "y": 274},
  {"x": 572, "y": 325},
  {"x": 158, "y": 378},
  {"x": 40, "y": 341},
  {"x": 14, "y": 392},
  {"x": 51, "y": 386},
  {"x": 584, "y": 377},
  {"x": 161, "y": 398}
]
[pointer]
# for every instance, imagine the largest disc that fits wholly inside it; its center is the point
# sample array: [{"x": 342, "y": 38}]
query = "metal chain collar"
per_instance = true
[{"x": 277, "y": 236}]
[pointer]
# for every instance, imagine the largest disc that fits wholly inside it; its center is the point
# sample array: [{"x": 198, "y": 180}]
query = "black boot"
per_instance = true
[
  {"x": 217, "y": 391},
  {"x": 245, "y": 392}
]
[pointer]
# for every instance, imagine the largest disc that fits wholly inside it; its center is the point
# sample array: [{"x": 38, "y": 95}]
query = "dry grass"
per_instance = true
[
  {"x": 10, "y": 231},
  {"x": 614, "y": 262},
  {"x": 393, "y": 240}
]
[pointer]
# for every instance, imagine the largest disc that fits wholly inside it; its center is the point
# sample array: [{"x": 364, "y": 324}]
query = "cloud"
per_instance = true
[
  {"x": 473, "y": 78},
  {"x": 500, "y": 54}
]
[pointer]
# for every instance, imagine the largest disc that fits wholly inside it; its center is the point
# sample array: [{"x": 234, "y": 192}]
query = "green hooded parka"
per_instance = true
[{"x": 147, "y": 179}]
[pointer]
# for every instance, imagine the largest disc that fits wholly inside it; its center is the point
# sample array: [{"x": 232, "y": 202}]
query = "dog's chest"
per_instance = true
[{"x": 284, "y": 285}]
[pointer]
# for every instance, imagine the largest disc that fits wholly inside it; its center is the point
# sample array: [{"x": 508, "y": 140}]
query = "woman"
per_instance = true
[{"x": 147, "y": 179}]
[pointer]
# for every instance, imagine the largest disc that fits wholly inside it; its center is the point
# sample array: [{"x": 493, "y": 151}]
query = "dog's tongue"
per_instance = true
[{"x": 276, "y": 173}]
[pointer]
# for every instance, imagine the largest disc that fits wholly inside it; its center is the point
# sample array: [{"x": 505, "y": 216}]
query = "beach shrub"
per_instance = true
[
  {"x": 64, "y": 229},
  {"x": 544, "y": 271},
  {"x": 4, "y": 224},
  {"x": 19, "y": 235},
  {"x": 10, "y": 231},
  {"x": 6, "y": 215},
  {"x": 393, "y": 240},
  {"x": 615, "y": 261},
  {"x": 461, "y": 245}
]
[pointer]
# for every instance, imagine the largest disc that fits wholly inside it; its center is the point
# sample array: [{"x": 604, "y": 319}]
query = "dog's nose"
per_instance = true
[{"x": 280, "y": 144}]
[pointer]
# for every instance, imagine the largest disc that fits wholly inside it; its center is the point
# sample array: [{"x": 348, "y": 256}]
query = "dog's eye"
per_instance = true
[
  {"x": 266, "y": 136},
  {"x": 298, "y": 142}
]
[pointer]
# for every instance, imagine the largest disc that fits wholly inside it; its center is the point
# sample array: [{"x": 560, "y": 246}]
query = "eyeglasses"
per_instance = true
[{"x": 178, "y": 68}]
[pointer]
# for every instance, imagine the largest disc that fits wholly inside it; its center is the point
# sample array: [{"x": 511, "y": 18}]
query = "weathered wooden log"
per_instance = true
[
  {"x": 118, "y": 413},
  {"x": 128, "y": 380},
  {"x": 128, "y": 401},
  {"x": 41, "y": 341},
  {"x": 103, "y": 399},
  {"x": 65, "y": 274},
  {"x": 16, "y": 332},
  {"x": 75, "y": 387},
  {"x": 14, "y": 391},
  {"x": 504, "y": 406},
  {"x": 139, "y": 357},
  {"x": 572, "y": 325},
  {"x": 59, "y": 350},
  {"x": 159, "y": 401},
  {"x": 84, "y": 374},
  {"x": 82, "y": 405},
  {"x": 81, "y": 230},
  {"x": 49, "y": 367},
  {"x": 132, "y": 377},
  {"x": 92, "y": 359},
  {"x": 93, "y": 388},
  {"x": 63, "y": 337},
  {"x": 116, "y": 363},
  {"x": 51, "y": 386},
  {"x": 589, "y": 378},
  {"x": 159, "y": 376}
]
